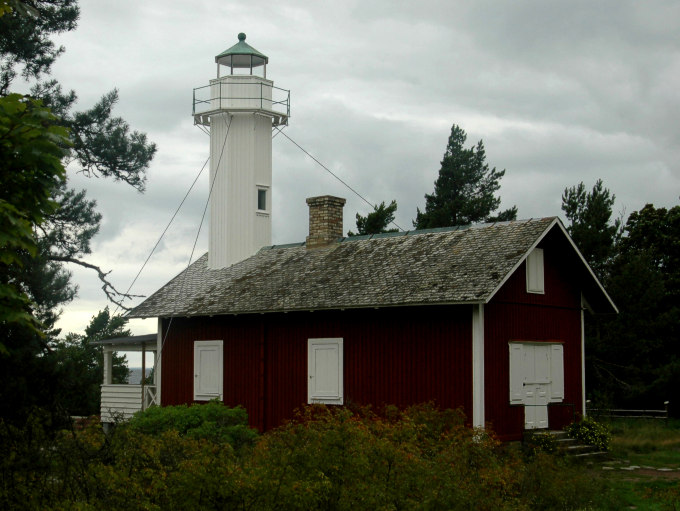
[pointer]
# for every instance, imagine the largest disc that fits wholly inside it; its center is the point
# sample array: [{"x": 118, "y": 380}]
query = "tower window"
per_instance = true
[{"x": 261, "y": 199}]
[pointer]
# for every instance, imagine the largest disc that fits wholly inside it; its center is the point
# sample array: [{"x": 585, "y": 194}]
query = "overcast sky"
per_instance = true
[{"x": 560, "y": 92}]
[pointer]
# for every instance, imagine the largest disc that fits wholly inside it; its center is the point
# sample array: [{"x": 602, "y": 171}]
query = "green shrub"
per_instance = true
[
  {"x": 420, "y": 458},
  {"x": 211, "y": 421},
  {"x": 540, "y": 442},
  {"x": 590, "y": 432},
  {"x": 328, "y": 458}
]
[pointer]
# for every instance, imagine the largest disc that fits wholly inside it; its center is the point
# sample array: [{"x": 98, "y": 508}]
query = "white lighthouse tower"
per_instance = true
[{"x": 240, "y": 109}]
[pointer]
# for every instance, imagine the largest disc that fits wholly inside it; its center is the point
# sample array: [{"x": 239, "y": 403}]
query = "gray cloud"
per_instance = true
[{"x": 559, "y": 92}]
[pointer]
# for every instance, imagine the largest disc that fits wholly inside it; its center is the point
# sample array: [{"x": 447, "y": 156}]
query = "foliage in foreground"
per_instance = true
[
  {"x": 590, "y": 432},
  {"x": 421, "y": 458},
  {"x": 212, "y": 421},
  {"x": 46, "y": 226}
]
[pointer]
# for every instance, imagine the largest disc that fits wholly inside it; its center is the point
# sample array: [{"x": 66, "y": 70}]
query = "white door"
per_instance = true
[
  {"x": 534, "y": 370},
  {"x": 208, "y": 363}
]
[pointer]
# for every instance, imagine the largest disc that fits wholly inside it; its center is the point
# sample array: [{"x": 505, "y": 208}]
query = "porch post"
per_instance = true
[
  {"x": 108, "y": 366},
  {"x": 478, "y": 419},
  {"x": 143, "y": 375}
]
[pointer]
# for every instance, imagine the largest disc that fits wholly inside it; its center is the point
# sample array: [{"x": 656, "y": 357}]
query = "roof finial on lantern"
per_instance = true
[{"x": 241, "y": 36}]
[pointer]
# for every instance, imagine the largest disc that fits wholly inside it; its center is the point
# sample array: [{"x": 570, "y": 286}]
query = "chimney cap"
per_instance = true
[{"x": 326, "y": 198}]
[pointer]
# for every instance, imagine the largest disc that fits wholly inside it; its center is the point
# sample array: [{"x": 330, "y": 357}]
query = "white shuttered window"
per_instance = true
[
  {"x": 324, "y": 368},
  {"x": 534, "y": 266},
  {"x": 208, "y": 361},
  {"x": 536, "y": 364}
]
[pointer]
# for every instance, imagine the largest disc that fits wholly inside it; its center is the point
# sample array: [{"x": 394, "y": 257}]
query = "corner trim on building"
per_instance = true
[{"x": 478, "y": 416}]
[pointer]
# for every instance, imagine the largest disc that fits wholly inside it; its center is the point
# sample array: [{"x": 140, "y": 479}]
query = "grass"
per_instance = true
[
  {"x": 649, "y": 442},
  {"x": 643, "y": 493},
  {"x": 652, "y": 443}
]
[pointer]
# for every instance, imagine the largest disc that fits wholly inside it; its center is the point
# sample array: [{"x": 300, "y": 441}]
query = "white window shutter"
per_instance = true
[
  {"x": 535, "y": 271},
  {"x": 542, "y": 364},
  {"x": 325, "y": 371},
  {"x": 208, "y": 363},
  {"x": 516, "y": 373},
  {"x": 556, "y": 373}
]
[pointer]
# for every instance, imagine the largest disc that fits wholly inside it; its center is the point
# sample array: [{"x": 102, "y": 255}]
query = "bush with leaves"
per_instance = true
[
  {"x": 212, "y": 421},
  {"x": 590, "y": 432},
  {"x": 328, "y": 458},
  {"x": 421, "y": 458},
  {"x": 540, "y": 443}
]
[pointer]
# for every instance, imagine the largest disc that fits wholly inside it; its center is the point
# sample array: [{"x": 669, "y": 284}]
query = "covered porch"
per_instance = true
[{"x": 121, "y": 401}]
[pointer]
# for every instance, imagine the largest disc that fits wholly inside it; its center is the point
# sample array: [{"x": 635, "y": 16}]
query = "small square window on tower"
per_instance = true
[{"x": 261, "y": 199}]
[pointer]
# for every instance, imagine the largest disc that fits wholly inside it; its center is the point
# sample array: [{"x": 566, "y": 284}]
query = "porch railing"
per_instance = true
[
  {"x": 121, "y": 401},
  {"x": 149, "y": 396}
]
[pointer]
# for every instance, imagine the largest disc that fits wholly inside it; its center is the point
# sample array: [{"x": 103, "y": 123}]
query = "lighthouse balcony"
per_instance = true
[{"x": 241, "y": 94}]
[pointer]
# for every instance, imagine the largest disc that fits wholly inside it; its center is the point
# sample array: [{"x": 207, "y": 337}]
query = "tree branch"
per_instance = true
[{"x": 112, "y": 294}]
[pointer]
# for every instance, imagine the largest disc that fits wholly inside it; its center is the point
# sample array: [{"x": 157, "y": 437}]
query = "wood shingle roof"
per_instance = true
[{"x": 440, "y": 266}]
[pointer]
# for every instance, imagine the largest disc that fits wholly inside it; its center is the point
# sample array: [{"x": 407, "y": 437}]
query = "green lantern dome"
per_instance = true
[{"x": 241, "y": 55}]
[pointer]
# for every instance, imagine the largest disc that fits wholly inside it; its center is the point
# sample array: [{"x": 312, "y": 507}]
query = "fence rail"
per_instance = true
[{"x": 619, "y": 413}]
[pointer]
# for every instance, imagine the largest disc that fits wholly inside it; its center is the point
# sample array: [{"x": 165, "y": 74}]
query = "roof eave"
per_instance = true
[{"x": 310, "y": 309}]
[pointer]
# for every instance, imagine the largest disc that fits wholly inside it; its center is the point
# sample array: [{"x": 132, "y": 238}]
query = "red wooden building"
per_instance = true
[{"x": 488, "y": 318}]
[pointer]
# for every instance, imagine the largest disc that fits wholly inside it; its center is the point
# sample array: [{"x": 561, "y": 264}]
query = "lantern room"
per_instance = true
[{"x": 243, "y": 58}]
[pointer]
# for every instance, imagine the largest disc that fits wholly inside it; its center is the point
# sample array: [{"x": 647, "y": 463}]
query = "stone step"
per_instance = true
[
  {"x": 580, "y": 449},
  {"x": 569, "y": 446},
  {"x": 559, "y": 435},
  {"x": 594, "y": 455}
]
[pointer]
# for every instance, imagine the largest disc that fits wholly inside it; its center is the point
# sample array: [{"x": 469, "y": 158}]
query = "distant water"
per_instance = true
[{"x": 135, "y": 375}]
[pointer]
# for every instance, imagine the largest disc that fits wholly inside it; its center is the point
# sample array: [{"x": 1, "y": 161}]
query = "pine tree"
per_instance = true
[
  {"x": 590, "y": 224},
  {"x": 377, "y": 221},
  {"x": 464, "y": 192},
  {"x": 55, "y": 229}
]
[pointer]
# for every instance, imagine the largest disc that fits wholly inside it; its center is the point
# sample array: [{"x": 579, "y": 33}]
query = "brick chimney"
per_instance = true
[{"x": 325, "y": 220}]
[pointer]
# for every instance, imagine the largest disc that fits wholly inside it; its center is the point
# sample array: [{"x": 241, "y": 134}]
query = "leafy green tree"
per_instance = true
[
  {"x": 635, "y": 356},
  {"x": 30, "y": 166},
  {"x": 590, "y": 223},
  {"x": 377, "y": 221},
  {"x": 99, "y": 143},
  {"x": 92, "y": 142},
  {"x": 80, "y": 364},
  {"x": 464, "y": 192}
]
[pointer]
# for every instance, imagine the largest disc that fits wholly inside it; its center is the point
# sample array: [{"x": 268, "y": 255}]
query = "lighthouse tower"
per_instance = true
[{"x": 240, "y": 110}]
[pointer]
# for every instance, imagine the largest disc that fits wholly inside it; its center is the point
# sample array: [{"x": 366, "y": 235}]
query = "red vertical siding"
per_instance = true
[
  {"x": 391, "y": 356},
  {"x": 515, "y": 315}
]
